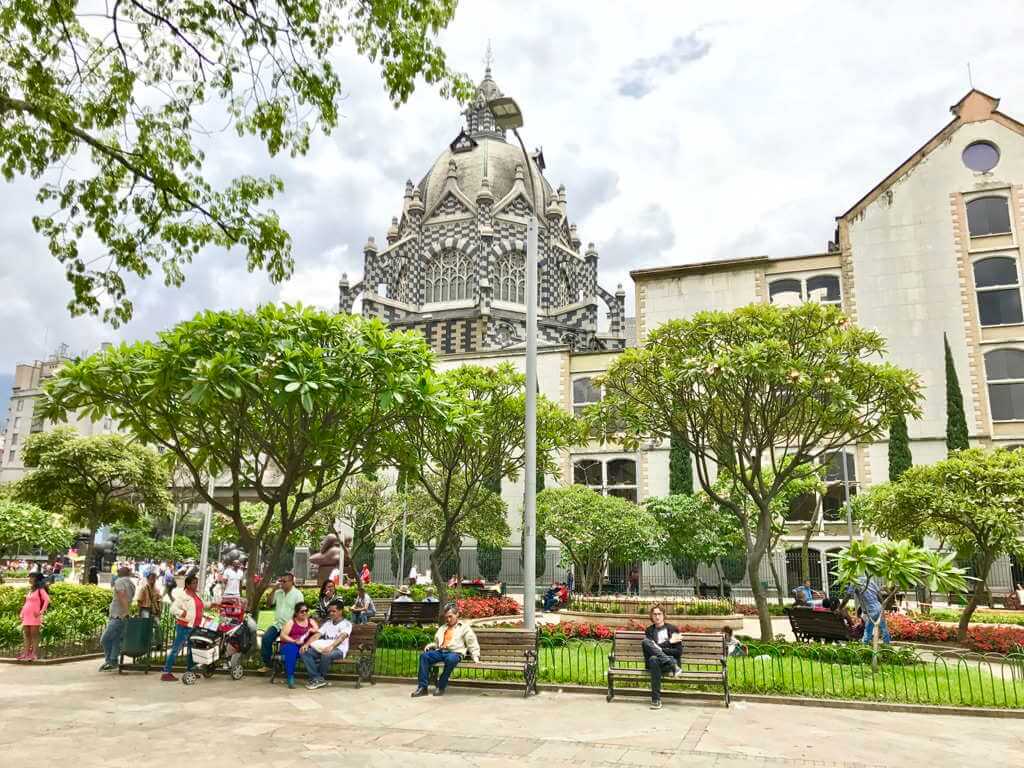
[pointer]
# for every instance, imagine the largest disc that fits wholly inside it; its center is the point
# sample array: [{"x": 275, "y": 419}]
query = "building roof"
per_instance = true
[
  {"x": 973, "y": 107},
  {"x": 715, "y": 264}
]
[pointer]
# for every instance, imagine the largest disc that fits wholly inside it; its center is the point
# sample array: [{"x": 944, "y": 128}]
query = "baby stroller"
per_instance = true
[{"x": 227, "y": 637}]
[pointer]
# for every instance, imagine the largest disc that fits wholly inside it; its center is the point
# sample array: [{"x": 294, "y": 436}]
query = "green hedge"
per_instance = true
[
  {"x": 348, "y": 594},
  {"x": 76, "y": 612}
]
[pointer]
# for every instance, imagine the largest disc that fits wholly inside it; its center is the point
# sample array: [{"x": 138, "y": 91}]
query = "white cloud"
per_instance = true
[{"x": 757, "y": 125}]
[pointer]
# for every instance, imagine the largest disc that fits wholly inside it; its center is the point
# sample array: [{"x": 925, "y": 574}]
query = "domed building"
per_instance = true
[{"x": 454, "y": 266}]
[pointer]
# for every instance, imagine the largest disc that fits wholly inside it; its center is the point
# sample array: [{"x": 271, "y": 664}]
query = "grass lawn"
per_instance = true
[{"x": 949, "y": 683}]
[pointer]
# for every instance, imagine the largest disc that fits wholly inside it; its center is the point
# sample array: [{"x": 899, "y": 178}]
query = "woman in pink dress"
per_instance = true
[{"x": 36, "y": 602}]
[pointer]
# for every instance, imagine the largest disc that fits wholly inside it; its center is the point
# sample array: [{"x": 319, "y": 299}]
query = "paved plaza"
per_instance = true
[{"x": 71, "y": 714}]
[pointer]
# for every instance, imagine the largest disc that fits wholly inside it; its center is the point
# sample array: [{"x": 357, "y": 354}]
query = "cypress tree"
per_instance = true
[
  {"x": 680, "y": 471},
  {"x": 900, "y": 458},
  {"x": 956, "y": 421}
]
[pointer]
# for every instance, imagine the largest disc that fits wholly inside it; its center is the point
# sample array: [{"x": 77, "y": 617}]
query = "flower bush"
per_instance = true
[
  {"x": 483, "y": 607},
  {"x": 559, "y": 634},
  {"x": 985, "y": 639}
]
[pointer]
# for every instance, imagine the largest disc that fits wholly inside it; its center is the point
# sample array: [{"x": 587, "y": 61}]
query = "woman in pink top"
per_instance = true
[
  {"x": 36, "y": 602},
  {"x": 294, "y": 638}
]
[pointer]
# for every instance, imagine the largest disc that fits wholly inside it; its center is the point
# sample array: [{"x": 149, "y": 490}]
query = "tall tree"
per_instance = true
[
  {"x": 759, "y": 393},
  {"x": 900, "y": 458},
  {"x": 956, "y": 422},
  {"x": 595, "y": 530},
  {"x": 133, "y": 82},
  {"x": 972, "y": 501},
  {"x": 93, "y": 481},
  {"x": 693, "y": 529},
  {"x": 284, "y": 404},
  {"x": 26, "y": 527},
  {"x": 680, "y": 470},
  {"x": 456, "y": 451}
]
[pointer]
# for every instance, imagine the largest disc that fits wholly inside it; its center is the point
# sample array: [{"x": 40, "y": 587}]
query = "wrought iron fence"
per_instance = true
[
  {"x": 68, "y": 646},
  {"x": 904, "y": 674}
]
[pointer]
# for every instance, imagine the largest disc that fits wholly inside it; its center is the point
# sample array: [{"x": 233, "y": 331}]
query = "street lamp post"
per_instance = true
[
  {"x": 508, "y": 116},
  {"x": 207, "y": 518}
]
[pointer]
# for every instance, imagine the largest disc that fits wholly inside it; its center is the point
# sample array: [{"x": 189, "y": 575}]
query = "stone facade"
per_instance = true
[{"x": 454, "y": 263}]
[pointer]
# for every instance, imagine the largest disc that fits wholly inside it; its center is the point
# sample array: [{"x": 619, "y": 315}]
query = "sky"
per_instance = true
[{"x": 682, "y": 131}]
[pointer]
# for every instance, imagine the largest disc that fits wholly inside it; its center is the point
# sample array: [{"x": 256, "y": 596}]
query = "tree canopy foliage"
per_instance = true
[
  {"x": 972, "y": 502},
  {"x": 25, "y": 528},
  {"x": 594, "y": 530},
  {"x": 135, "y": 85},
  {"x": 757, "y": 395},
  {"x": 957, "y": 436},
  {"x": 285, "y": 404},
  {"x": 93, "y": 481},
  {"x": 693, "y": 528}
]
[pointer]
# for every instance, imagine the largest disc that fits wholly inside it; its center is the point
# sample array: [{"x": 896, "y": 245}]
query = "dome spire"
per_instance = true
[{"x": 479, "y": 119}]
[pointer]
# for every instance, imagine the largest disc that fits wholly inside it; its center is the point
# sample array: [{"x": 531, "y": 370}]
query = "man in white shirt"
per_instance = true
[
  {"x": 403, "y": 595},
  {"x": 325, "y": 646},
  {"x": 233, "y": 576}
]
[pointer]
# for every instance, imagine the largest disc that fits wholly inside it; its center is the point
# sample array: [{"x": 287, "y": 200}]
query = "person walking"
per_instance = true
[
  {"x": 233, "y": 577},
  {"x": 284, "y": 597},
  {"x": 663, "y": 647},
  {"x": 295, "y": 637},
  {"x": 120, "y": 607},
  {"x": 187, "y": 610},
  {"x": 36, "y": 602}
]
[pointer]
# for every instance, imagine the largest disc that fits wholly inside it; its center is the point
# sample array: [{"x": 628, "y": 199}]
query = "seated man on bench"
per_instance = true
[
  {"x": 452, "y": 642},
  {"x": 663, "y": 647},
  {"x": 328, "y": 644}
]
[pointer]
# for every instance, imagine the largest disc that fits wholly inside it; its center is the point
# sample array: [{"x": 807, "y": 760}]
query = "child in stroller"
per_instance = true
[{"x": 227, "y": 637}]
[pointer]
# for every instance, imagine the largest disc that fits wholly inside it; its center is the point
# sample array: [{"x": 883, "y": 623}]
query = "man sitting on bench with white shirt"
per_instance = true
[
  {"x": 326, "y": 645},
  {"x": 663, "y": 647}
]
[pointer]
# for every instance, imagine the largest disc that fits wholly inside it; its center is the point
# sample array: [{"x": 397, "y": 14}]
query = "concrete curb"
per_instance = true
[{"x": 47, "y": 662}]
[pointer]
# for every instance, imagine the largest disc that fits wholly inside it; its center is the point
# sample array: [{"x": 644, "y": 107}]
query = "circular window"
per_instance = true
[{"x": 981, "y": 156}]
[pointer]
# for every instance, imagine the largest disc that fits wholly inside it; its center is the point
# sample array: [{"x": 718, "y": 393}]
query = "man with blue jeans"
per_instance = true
[
  {"x": 452, "y": 642},
  {"x": 284, "y": 602},
  {"x": 325, "y": 646},
  {"x": 866, "y": 594},
  {"x": 120, "y": 606}
]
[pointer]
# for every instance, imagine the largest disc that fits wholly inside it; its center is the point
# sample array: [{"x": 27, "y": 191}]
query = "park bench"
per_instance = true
[
  {"x": 809, "y": 624},
  {"x": 504, "y": 650},
  {"x": 413, "y": 613},
  {"x": 703, "y": 660},
  {"x": 362, "y": 647}
]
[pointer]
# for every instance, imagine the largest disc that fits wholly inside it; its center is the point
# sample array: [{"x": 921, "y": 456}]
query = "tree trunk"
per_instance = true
[
  {"x": 805, "y": 546},
  {"x": 976, "y": 596},
  {"x": 90, "y": 556},
  {"x": 440, "y": 583},
  {"x": 775, "y": 578},
  {"x": 755, "y": 554}
]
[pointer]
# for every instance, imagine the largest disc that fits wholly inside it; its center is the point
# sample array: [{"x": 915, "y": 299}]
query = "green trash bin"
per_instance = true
[{"x": 137, "y": 641}]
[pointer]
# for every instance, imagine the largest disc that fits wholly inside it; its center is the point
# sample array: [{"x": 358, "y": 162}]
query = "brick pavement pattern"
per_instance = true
[{"x": 73, "y": 715}]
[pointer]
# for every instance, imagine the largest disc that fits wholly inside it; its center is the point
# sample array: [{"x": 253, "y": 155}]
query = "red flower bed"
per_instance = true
[
  {"x": 483, "y": 607},
  {"x": 584, "y": 631},
  {"x": 980, "y": 637}
]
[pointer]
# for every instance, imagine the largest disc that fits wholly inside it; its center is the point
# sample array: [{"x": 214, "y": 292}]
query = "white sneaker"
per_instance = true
[{"x": 678, "y": 673}]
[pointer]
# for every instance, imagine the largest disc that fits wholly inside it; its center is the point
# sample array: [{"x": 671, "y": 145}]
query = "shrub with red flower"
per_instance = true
[
  {"x": 484, "y": 607},
  {"x": 983, "y": 638}
]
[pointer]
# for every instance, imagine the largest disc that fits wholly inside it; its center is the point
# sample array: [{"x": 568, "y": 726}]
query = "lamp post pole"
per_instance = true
[
  {"x": 401, "y": 561},
  {"x": 508, "y": 116}
]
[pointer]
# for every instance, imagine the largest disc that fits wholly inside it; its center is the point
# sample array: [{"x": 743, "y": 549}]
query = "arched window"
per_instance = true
[
  {"x": 998, "y": 287},
  {"x": 511, "y": 278},
  {"x": 616, "y": 477},
  {"x": 824, "y": 289},
  {"x": 449, "y": 278},
  {"x": 565, "y": 294},
  {"x": 1004, "y": 371},
  {"x": 786, "y": 293},
  {"x": 794, "y": 569},
  {"x": 790, "y": 291},
  {"x": 988, "y": 216},
  {"x": 840, "y": 484}
]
